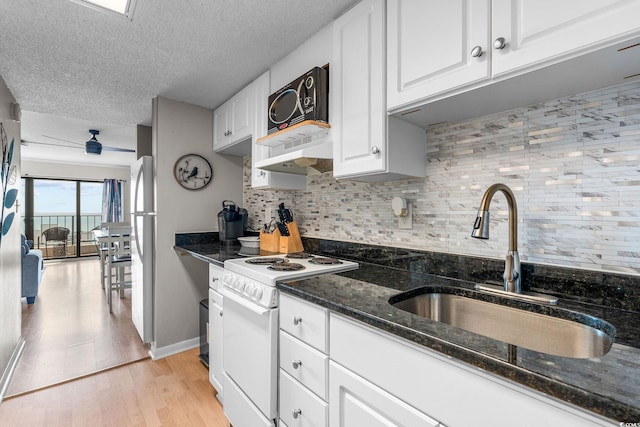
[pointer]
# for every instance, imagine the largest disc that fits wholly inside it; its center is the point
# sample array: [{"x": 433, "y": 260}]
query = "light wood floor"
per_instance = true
[
  {"x": 69, "y": 331},
  {"x": 174, "y": 391}
]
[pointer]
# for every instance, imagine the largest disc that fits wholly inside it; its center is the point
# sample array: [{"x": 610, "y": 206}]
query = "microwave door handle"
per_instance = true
[{"x": 255, "y": 308}]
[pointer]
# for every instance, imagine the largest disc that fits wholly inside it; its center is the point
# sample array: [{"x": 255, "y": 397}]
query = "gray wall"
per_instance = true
[
  {"x": 10, "y": 257},
  {"x": 182, "y": 281},
  {"x": 572, "y": 164}
]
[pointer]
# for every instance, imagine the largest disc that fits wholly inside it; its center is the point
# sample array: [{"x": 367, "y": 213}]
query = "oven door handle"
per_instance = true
[{"x": 255, "y": 308}]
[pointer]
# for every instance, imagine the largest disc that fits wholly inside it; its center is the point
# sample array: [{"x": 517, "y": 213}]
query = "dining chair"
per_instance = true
[{"x": 118, "y": 258}]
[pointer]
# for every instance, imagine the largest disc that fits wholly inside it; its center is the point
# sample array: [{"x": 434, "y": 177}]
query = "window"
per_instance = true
[{"x": 60, "y": 215}]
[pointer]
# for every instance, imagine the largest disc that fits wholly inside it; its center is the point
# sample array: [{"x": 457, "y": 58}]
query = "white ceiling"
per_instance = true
[{"x": 73, "y": 68}]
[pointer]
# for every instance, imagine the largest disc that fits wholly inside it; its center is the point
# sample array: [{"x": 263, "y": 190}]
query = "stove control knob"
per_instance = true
[
  {"x": 248, "y": 288},
  {"x": 258, "y": 293}
]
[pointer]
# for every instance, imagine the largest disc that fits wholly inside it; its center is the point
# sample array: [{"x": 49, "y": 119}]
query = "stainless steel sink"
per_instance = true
[{"x": 534, "y": 331}]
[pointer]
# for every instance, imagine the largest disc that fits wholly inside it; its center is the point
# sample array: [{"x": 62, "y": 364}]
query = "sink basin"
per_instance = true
[{"x": 578, "y": 336}]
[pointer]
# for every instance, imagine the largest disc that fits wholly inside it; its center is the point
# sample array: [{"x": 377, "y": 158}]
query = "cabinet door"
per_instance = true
[
  {"x": 215, "y": 340},
  {"x": 241, "y": 112},
  {"x": 359, "y": 119},
  {"x": 220, "y": 127},
  {"x": 260, "y": 177},
  {"x": 541, "y": 32},
  {"x": 354, "y": 401},
  {"x": 429, "y": 45}
]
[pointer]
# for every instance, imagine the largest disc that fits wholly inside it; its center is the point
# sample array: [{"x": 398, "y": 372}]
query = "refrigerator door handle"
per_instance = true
[{"x": 135, "y": 209}]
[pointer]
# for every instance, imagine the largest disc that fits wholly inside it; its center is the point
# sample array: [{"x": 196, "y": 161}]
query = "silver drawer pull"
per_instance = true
[
  {"x": 297, "y": 364},
  {"x": 297, "y": 320},
  {"x": 297, "y": 413}
]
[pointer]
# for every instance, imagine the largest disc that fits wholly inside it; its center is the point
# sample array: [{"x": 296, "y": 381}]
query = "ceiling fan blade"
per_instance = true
[
  {"x": 126, "y": 150},
  {"x": 64, "y": 140},
  {"x": 51, "y": 144}
]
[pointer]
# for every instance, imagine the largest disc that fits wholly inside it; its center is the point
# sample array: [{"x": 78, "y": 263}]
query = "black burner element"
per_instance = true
[
  {"x": 266, "y": 261},
  {"x": 300, "y": 255},
  {"x": 286, "y": 266},
  {"x": 325, "y": 260}
]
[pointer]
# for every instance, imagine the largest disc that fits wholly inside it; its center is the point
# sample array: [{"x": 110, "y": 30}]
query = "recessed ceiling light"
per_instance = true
[{"x": 123, "y": 7}]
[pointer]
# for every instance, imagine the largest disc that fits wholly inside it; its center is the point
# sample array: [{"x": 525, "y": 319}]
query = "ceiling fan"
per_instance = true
[{"x": 92, "y": 146}]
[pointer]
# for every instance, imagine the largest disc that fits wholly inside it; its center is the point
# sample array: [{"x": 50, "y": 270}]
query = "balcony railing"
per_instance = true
[{"x": 71, "y": 246}]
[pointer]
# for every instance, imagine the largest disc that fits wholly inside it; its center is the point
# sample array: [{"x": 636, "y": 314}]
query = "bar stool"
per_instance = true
[
  {"x": 103, "y": 248},
  {"x": 118, "y": 257}
]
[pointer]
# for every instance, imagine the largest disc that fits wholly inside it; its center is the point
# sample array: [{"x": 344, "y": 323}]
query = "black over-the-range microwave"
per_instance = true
[{"x": 305, "y": 98}]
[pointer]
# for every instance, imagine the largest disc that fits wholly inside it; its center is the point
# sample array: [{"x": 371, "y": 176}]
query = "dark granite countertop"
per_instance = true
[
  {"x": 206, "y": 246},
  {"x": 608, "y": 385}
]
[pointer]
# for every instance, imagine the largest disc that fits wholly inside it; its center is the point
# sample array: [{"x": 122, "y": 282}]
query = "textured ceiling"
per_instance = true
[{"x": 62, "y": 60}]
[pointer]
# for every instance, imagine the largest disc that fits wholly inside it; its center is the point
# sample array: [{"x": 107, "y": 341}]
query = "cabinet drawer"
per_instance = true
[
  {"x": 305, "y": 321},
  {"x": 298, "y": 406},
  {"x": 304, "y": 363}
]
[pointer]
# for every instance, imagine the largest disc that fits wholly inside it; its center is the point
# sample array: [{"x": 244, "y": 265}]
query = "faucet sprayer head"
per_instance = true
[{"x": 481, "y": 226}]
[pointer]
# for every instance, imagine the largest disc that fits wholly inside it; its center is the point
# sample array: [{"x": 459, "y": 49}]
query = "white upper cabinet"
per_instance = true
[
  {"x": 232, "y": 121},
  {"x": 439, "y": 49},
  {"x": 366, "y": 145},
  {"x": 539, "y": 32},
  {"x": 430, "y": 44}
]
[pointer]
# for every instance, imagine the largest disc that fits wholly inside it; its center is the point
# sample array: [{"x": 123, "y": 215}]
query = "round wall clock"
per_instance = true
[{"x": 193, "y": 172}]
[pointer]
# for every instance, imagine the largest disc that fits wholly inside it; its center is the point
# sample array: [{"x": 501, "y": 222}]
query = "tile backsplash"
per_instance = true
[{"x": 573, "y": 165}]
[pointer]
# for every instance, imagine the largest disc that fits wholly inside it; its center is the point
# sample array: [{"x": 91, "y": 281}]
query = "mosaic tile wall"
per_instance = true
[{"x": 572, "y": 163}]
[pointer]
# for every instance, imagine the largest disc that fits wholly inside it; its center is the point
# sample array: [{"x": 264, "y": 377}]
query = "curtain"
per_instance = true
[{"x": 112, "y": 201}]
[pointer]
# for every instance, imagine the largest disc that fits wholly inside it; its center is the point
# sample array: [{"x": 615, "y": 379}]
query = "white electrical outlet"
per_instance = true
[{"x": 406, "y": 222}]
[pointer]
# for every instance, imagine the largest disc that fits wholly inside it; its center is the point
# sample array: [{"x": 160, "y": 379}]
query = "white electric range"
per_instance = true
[{"x": 251, "y": 330}]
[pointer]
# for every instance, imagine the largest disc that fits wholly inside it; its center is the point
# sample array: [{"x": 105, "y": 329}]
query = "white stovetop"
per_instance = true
[{"x": 262, "y": 274}]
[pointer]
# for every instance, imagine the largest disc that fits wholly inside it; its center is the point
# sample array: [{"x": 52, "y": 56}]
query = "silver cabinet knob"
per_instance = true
[
  {"x": 297, "y": 320},
  {"x": 297, "y": 364},
  {"x": 220, "y": 314},
  {"x": 375, "y": 150},
  {"x": 476, "y": 52},
  {"x": 499, "y": 43},
  {"x": 297, "y": 413}
]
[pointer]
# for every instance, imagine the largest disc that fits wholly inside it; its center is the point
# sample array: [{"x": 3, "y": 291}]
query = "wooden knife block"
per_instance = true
[
  {"x": 291, "y": 243},
  {"x": 270, "y": 242}
]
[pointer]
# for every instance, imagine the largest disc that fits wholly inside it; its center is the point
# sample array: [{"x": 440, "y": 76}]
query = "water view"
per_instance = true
[{"x": 64, "y": 215}]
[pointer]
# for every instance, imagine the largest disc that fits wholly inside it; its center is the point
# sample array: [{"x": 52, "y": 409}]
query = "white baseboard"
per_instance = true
[
  {"x": 11, "y": 367},
  {"x": 169, "y": 350}
]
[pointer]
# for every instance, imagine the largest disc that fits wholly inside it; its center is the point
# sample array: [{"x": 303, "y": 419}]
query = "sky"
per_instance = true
[{"x": 53, "y": 196}]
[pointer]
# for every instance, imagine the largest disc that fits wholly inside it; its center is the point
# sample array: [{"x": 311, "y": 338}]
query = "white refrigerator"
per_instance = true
[{"x": 142, "y": 242}]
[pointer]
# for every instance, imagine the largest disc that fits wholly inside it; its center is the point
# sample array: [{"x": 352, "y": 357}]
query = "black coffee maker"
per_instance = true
[{"x": 232, "y": 221}]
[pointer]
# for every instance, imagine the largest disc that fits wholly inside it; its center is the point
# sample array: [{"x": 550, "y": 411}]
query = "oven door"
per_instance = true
[{"x": 250, "y": 355}]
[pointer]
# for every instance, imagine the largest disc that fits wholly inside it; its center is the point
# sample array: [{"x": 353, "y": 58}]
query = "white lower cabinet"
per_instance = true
[
  {"x": 451, "y": 392},
  {"x": 372, "y": 378},
  {"x": 216, "y": 304},
  {"x": 356, "y": 402}
]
